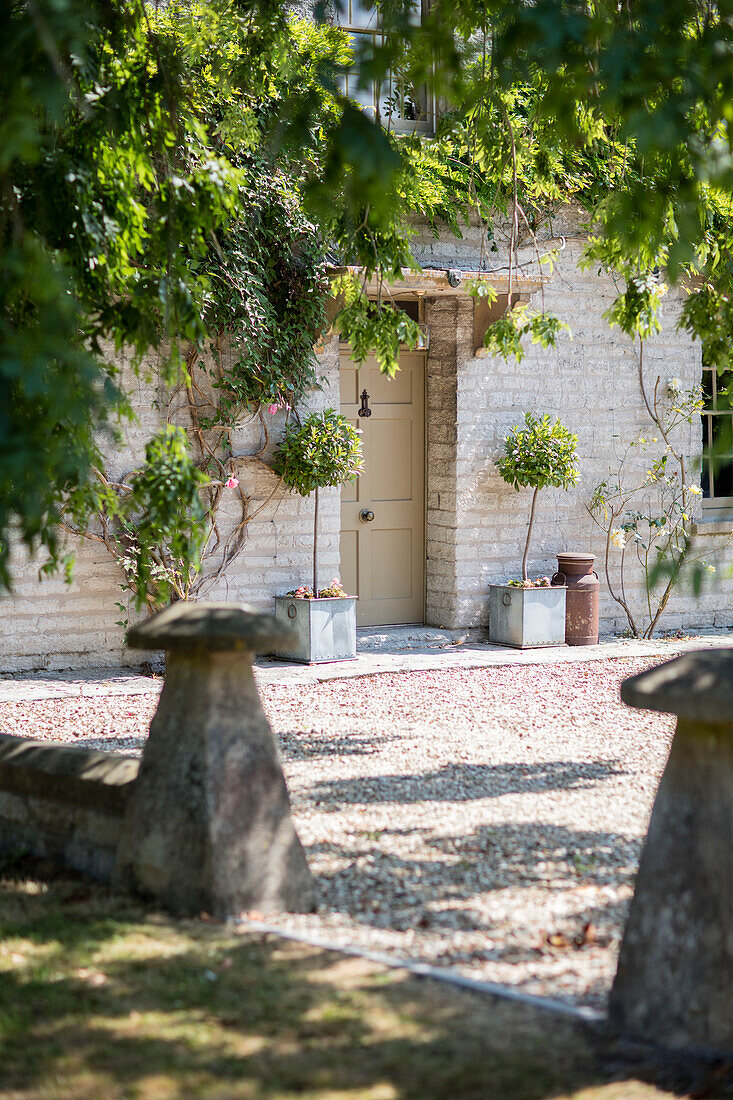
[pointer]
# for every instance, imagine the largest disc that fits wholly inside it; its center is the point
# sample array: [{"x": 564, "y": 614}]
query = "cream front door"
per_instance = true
[{"x": 383, "y": 558}]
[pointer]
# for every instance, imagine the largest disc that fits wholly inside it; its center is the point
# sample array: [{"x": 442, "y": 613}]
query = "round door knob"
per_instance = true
[{"x": 366, "y": 515}]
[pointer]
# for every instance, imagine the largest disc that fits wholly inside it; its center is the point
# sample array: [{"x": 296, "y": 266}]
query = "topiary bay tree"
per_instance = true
[
  {"x": 538, "y": 455},
  {"x": 324, "y": 450}
]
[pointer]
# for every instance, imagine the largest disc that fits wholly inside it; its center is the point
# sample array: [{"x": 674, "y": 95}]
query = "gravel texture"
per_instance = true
[{"x": 489, "y": 820}]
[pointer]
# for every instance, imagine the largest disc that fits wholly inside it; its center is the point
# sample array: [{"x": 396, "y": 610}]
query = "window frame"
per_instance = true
[
  {"x": 353, "y": 29},
  {"x": 715, "y": 506}
]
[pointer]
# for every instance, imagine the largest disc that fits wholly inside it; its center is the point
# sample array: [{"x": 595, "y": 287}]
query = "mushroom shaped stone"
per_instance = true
[{"x": 207, "y": 826}]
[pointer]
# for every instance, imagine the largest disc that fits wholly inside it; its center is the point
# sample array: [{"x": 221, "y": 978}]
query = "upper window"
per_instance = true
[
  {"x": 717, "y": 437},
  {"x": 395, "y": 103}
]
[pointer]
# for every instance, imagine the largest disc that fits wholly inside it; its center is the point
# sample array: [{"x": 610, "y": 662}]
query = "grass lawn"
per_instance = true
[{"x": 100, "y": 997}]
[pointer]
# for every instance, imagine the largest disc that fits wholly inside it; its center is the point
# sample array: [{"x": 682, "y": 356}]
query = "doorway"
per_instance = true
[{"x": 383, "y": 511}]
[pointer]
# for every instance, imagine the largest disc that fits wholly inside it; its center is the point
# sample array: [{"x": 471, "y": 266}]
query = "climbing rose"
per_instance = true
[
  {"x": 232, "y": 482},
  {"x": 272, "y": 409}
]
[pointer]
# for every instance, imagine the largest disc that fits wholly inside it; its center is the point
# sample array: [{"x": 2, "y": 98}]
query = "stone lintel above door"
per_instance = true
[{"x": 451, "y": 282}]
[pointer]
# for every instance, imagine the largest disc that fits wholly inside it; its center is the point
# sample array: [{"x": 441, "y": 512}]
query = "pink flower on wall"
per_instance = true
[{"x": 232, "y": 482}]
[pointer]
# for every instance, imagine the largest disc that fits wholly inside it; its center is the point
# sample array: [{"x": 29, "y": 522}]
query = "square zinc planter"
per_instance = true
[
  {"x": 326, "y": 628},
  {"x": 526, "y": 617}
]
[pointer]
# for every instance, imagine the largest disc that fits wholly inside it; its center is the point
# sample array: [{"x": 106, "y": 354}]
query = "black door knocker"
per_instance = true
[{"x": 365, "y": 410}]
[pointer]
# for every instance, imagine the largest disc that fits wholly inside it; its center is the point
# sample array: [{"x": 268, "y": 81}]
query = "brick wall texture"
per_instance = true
[
  {"x": 48, "y": 624},
  {"x": 476, "y": 525}
]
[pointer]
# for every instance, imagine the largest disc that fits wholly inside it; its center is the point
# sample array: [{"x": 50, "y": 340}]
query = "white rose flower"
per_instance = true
[{"x": 618, "y": 538}]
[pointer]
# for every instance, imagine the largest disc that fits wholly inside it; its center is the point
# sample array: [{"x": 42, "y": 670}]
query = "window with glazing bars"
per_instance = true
[
  {"x": 717, "y": 442},
  {"x": 395, "y": 103}
]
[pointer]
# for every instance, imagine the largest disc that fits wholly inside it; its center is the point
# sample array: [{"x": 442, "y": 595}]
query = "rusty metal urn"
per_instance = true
[{"x": 581, "y": 609}]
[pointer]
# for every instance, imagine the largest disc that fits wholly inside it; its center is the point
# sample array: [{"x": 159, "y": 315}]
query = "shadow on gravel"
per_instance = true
[
  {"x": 297, "y": 745},
  {"x": 463, "y": 782},
  {"x": 451, "y": 895},
  {"x": 547, "y": 853},
  {"x": 476, "y": 862}
]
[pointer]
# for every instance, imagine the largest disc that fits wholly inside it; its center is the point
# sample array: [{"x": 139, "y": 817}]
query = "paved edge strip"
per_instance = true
[
  {"x": 100, "y": 683},
  {"x": 469, "y": 658},
  {"x": 579, "y": 1013}
]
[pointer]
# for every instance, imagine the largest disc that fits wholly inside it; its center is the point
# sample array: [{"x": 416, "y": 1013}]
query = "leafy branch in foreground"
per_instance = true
[{"x": 170, "y": 182}]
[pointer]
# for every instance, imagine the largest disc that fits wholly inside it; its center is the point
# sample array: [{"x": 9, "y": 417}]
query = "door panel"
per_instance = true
[
  {"x": 390, "y": 457},
  {"x": 392, "y": 565},
  {"x": 391, "y": 391},
  {"x": 383, "y": 561}
]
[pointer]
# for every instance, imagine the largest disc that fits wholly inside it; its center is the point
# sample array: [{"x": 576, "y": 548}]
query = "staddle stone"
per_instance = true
[
  {"x": 207, "y": 826},
  {"x": 674, "y": 983}
]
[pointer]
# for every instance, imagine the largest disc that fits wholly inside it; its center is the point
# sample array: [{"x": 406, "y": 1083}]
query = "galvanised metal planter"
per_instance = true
[
  {"x": 526, "y": 617},
  {"x": 326, "y": 628}
]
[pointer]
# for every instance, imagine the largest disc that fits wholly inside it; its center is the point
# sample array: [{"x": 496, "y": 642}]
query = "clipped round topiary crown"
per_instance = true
[{"x": 539, "y": 455}]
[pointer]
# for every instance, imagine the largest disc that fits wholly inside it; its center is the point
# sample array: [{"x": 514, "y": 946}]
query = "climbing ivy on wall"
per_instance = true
[{"x": 260, "y": 272}]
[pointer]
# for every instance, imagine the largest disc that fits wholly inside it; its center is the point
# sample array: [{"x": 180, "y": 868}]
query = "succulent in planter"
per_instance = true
[{"x": 538, "y": 455}]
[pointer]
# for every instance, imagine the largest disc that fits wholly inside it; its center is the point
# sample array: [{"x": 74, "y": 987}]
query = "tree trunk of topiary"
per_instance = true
[
  {"x": 315, "y": 547},
  {"x": 525, "y": 577}
]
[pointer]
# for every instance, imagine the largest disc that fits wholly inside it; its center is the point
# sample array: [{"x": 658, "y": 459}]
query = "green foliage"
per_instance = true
[
  {"x": 153, "y": 183},
  {"x": 267, "y": 301},
  {"x": 164, "y": 519},
  {"x": 266, "y": 269},
  {"x": 166, "y": 214},
  {"x": 505, "y": 336},
  {"x": 636, "y": 311},
  {"x": 648, "y": 516},
  {"x": 52, "y": 392},
  {"x": 558, "y": 103},
  {"x": 324, "y": 450},
  {"x": 540, "y": 455},
  {"x": 52, "y": 389},
  {"x": 107, "y": 196},
  {"x": 708, "y": 313},
  {"x": 173, "y": 180},
  {"x": 373, "y": 328}
]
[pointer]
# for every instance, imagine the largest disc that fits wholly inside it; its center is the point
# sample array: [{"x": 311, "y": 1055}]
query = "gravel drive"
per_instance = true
[{"x": 489, "y": 819}]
